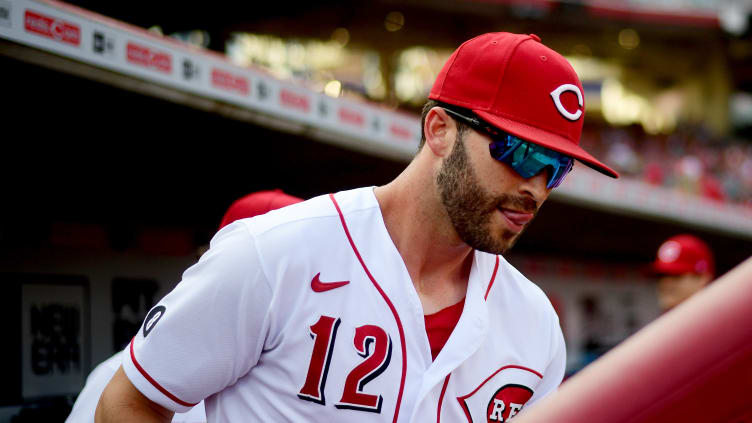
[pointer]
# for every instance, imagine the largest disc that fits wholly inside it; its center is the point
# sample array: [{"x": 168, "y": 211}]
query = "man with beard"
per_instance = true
[{"x": 383, "y": 304}]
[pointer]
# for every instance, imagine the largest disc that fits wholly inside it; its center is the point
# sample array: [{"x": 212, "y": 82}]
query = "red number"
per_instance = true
[
  {"x": 372, "y": 343},
  {"x": 323, "y": 333}
]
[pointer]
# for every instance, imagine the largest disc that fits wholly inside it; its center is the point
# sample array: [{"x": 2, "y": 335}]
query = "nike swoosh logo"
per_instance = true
[{"x": 319, "y": 286}]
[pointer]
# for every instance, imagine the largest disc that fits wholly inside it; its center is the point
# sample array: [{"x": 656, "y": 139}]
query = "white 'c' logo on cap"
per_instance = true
[{"x": 556, "y": 95}]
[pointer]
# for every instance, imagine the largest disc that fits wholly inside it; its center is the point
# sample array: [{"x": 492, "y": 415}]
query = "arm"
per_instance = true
[
  {"x": 195, "y": 344},
  {"x": 86, "y": 402},
  {"x": 121, "y": 402}
]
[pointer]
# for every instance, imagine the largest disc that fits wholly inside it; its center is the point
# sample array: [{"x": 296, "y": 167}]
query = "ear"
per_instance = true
[{"x": 440, "y": 131}]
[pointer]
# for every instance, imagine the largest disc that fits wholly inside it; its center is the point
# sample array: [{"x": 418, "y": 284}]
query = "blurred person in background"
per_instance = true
[
  {"x": 685, "y": 265},
  {"x": 254, "y": 204}
]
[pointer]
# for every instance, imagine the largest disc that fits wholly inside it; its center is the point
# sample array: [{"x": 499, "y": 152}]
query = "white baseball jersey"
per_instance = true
[
  {"x": 308, "y": 314},
  {"x": 86, "y": 402}
]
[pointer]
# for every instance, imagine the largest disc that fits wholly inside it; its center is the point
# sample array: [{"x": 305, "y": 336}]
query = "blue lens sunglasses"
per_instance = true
[{"x": 526, "y": 158}]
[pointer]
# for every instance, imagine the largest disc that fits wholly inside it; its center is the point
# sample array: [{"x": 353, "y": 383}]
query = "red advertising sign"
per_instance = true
[
  {"x": 54, "y": 28},
  {"x": 353, "y": 117},
  {"x": 146, "y": 57},
  {"x": 400, "y": 131},
  {"x": 227, "y": 81},
  {"x": 293, "y": 100}
]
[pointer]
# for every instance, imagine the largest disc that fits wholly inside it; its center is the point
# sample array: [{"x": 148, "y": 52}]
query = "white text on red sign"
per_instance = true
[
  {"x": 350, "y": 116},
  {"x": 146, "y": 57},
  {"x": 50, "y": 27},
  {"x": 400, "y": 131},
  {"x": 227, "y": 81},
  {"x": 292, "y": 100}
]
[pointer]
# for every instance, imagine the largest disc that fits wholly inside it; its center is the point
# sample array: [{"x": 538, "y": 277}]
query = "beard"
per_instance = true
[{"x": 471, "y": 208}]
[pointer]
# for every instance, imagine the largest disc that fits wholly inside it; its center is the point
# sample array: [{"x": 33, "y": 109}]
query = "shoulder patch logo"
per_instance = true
[
  {"x": 501, "y": 396},
  {"x": 152, "y": 318}
]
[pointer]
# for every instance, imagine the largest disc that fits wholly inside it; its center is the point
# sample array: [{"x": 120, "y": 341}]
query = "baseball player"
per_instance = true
[
  {"x": 250, "y": 205},
  {"x": 685, "y": 265},
  {"x": 337, "y": 309}
]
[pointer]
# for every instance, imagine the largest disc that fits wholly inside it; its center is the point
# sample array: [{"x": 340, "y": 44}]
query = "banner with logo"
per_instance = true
[{"x": 103, "y": 42}]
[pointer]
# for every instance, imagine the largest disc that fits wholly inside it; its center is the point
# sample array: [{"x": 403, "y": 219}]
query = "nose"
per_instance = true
[{"x": 536, "y": 186}]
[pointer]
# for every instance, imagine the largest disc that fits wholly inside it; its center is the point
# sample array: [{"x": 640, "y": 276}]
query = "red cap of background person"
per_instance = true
[
  {"x": 520, "y": 86},
  {"x": 682, "y": 254},
  {"x": 257, "y": 203}
]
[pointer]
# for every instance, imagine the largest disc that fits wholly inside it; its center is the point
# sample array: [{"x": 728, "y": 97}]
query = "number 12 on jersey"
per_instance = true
[{"x": 371, "y": 342}]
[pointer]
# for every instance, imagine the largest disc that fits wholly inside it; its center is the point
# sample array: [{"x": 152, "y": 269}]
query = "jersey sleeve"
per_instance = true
[
  {"x": 209, "y": 331},
  {"x": 554, "y": 373},
  {"x": 88, "y": 398}
]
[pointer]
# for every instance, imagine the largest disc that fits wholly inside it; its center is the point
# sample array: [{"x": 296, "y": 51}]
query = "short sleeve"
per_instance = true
[
  {"x": 88, "y": 398},
  {"x": 554, "y": 373},
  {"x": 209, "y": 331}
]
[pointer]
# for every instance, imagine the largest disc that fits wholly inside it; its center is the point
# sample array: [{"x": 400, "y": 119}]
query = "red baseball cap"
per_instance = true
[
  {"x": 522, "y": 87},
  {"x": 257, "y": 203},
  {"x": 684, "y": 254}
]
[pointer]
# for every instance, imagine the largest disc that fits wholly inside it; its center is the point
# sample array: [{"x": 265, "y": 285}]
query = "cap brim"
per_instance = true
[
  {"x": 676, "y": 268},
  {"x": 547, "y": 139}
]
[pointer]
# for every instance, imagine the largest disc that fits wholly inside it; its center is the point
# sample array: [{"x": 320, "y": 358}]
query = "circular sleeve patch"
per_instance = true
[{"x": 152, "y": 318}]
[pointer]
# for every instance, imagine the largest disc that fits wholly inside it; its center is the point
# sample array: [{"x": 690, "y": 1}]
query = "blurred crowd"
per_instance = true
[{"x": 691, "y": 160}]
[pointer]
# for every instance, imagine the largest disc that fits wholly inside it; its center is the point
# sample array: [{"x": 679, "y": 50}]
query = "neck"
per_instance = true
[{"x": 437, "y": 260}]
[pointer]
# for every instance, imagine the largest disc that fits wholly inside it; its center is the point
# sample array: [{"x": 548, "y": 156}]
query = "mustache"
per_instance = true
[{"x": 517, "y": 202}]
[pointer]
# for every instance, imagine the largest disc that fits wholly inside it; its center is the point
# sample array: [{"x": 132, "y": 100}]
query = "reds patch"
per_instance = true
[{"x": 501, "y": 396}]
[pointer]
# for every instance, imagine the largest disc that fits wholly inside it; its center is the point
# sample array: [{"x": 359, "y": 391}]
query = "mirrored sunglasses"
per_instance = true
[{"x": 526, "y": 158}]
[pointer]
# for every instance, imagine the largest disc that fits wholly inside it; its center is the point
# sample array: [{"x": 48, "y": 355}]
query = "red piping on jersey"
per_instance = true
[
  {"x": 154, "y": 382},
  {"x": 441, "y": 398},
  {"x": 511, "y": 366},
  {"x": 388, "y": 302},
  {"x": 493, "y": 278}
]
